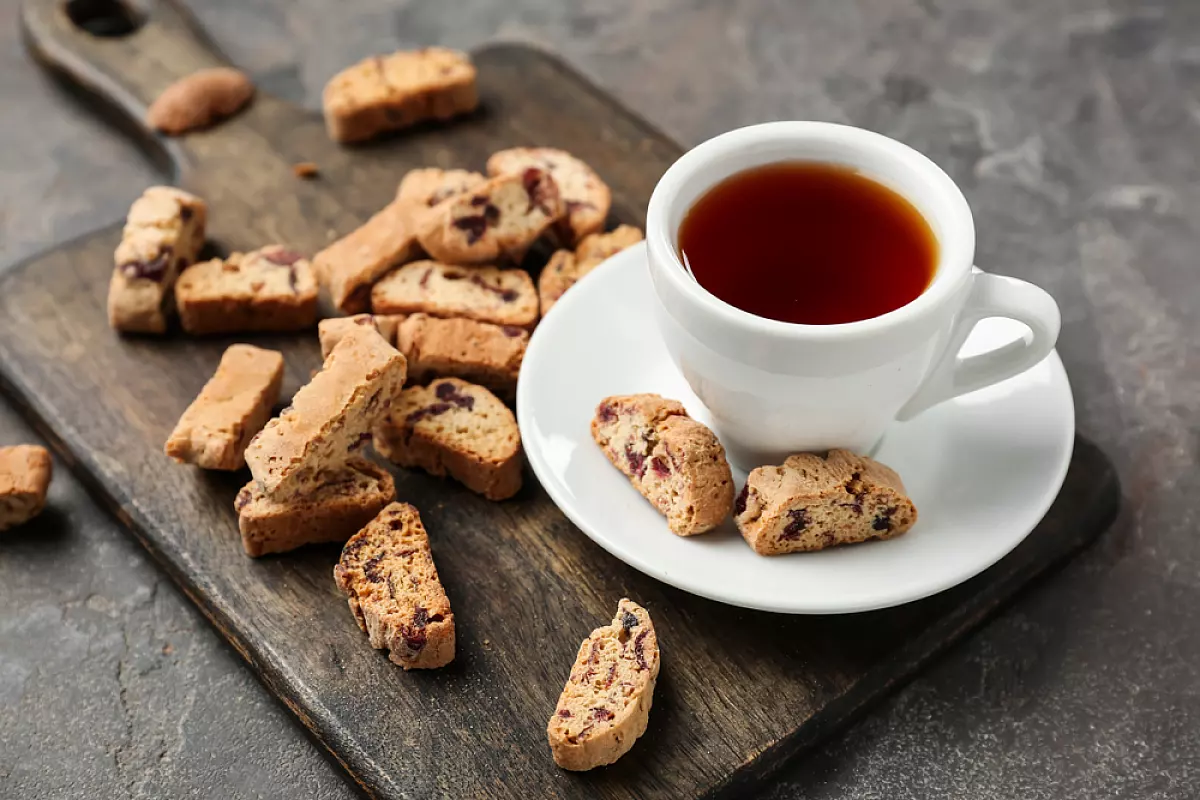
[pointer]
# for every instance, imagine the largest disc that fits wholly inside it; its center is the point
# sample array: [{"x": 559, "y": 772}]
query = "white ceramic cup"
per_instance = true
[{"x": 775, "y": 388}]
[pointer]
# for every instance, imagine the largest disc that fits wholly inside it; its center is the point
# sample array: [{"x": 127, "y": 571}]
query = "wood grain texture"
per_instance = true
[{"x": 740, "y": 690}]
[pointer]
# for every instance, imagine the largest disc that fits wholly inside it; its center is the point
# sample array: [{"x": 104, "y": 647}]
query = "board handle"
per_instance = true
[{"x": 122, "y": 54}]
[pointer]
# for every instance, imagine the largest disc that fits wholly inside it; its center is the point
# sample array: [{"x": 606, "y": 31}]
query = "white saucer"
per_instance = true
[{"x": 982, "y": 469}]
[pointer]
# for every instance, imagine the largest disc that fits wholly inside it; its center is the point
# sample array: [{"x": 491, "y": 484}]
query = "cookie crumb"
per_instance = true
[{"x": 306, "y": 169}]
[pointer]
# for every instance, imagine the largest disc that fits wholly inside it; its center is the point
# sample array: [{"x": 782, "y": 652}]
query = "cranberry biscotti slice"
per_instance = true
[
  {"x": 330, "y": 416},
  {"x": 387, "y": 93},
  {"x": 674, "y": 461},
  {"x": 233, "y": 406},
  {"x": 814, "y": 502},
  {"x": 586, "y": 198},
  {"x": 163, "y": 234},
  {"x": 455, "y": 428},
  {"x": 388, "y": 575},
  {"x": 269, "y": 289},
  {"x": 350, "y": 497},
  {"x": 487, "y": 294},
  {"x": 565, "y": 268},
  {"x": 330, "y": 331},
  {"x": 605, "y": 705},
  {"x": 25, "y": 473},
  {"x": 499, "y": 220},
  {"x": 479, "y": 352}
]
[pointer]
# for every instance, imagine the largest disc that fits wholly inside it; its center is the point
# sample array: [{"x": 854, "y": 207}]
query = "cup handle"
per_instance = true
[{"x": 990, "y": 296}]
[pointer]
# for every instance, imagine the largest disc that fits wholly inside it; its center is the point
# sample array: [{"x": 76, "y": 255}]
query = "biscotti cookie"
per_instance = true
[
  {"x": 330, "y": 417},
  {"x": 269, "y": 289},
  {"x": 163, "y": 234},
  {"x": 387, "y": 93},
  {"x": 605, "y": 705},
  {"x": 349, "y": 498},
  {"x": 330, "y": 331},
  {"x": 388, "y": 574},
  {"x": 586, "y": 198},
  {"x": 422, "y": 190},
  {"x": 565, "y": 268},
  {"x": 675, "y": 462},
  {"x": 811, "y": 503},
  {"x": 495, "y": 221},
  {"x": 479, "y": 352},
  {"x": 487, "y": 294},
  {"x": 199, "y": 100},
  {"x": 349, "y": 267},
  {"x": 233, "y": 406},
  {"x": 25, "y": 472},
  {"x": 455, "y": 428}
]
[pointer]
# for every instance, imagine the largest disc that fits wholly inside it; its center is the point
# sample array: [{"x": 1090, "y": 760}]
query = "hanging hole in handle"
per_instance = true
[{"x": 106, "y": 18}]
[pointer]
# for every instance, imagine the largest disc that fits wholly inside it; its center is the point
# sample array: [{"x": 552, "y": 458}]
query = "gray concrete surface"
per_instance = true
[{"x": 1072, "y": 127}]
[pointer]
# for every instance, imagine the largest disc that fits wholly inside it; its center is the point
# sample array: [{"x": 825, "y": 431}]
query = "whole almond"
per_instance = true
[{"x": 199, "y": 100}]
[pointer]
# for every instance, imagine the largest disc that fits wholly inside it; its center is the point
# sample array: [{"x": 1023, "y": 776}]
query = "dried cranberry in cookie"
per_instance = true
[
  {"x": 565, "y": 268},
  {"x": 162, "y": 236},
  {"x": 606, "y": 703},
  {"x": 587, "y": 198},
  {"x": 269, "y": 289},
  {"x": 455, "y": 428},
  {"x": 675, "y": 462},
  {"x": 25, "y": 472},
  {"x": 813, "y": 502},
  {"x": 479, "y": 352},
  {"x": 387, "y": 573},
  {"x": 487, "y": 294},
  {"x": 498, "y": 220},
  {"x": 387, "y": 93}
]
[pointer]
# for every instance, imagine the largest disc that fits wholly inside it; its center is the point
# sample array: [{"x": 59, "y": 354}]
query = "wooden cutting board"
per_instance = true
[{"x": 740, "y": 691}]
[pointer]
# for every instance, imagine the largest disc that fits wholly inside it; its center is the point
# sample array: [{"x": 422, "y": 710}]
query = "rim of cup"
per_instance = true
[{"x": 910, "y": 173}]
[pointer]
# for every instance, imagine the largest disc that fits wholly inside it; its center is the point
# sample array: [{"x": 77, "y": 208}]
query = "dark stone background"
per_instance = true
[{"x": 1072, "y": 127}]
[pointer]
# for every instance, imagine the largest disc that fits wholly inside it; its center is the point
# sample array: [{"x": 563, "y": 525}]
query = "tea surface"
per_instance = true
[{"x": 808, "y": 243}]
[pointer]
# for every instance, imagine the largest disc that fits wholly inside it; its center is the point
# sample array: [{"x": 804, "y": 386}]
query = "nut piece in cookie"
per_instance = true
[
  {"x": 350, "y": 497},
  {"x": 233, "y": 406},
  {"x": 199, "y": 100},
  {"x": 330, "y": 331},
  {"x": 269, "y": 289},
  {"x": 455, "y": 428},
  {"x": 586, "y": 197},
  {"x": 388, "y": 574},
  {"x": 330, "y": 417},
  {"x": 387, "y": 93},
  {"x": 605, "y": 705},
  {"x": 495, "y": 221},
  {"x": 487, "y": 294},
  {"x": 479, "y": 352},
  {"x": 162, "y": 236},
  {"x": 675, "y": 462},
  {"x": 25, "y": 472},
  {"x": 811, "y": 503},
  {"x": 565, "y": 268}
]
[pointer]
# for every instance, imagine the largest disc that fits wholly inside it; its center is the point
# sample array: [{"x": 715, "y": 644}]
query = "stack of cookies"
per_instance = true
[
  {"x": 439, "y": 273},
  {"x": 310, "y": 485}
]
